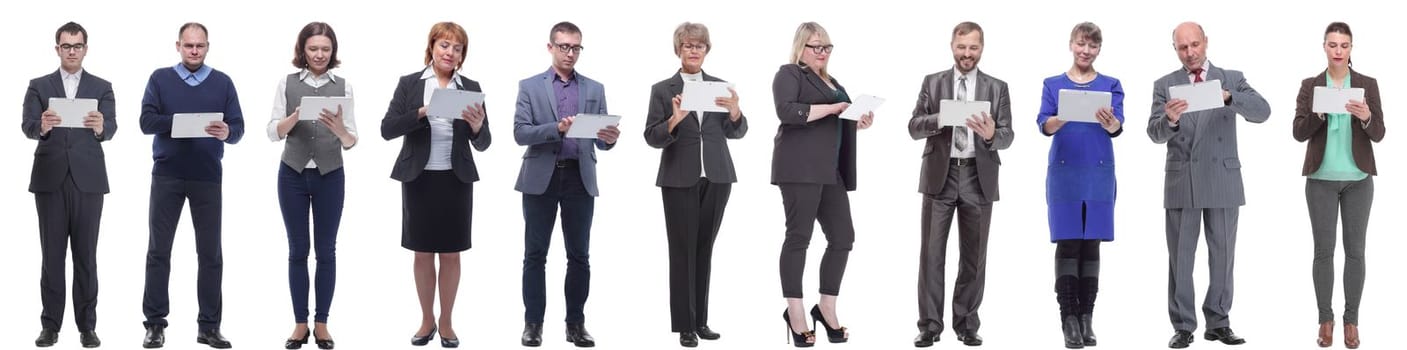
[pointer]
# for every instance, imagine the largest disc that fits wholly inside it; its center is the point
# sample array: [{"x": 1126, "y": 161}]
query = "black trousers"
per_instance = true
[
  {"x": 168, "y": 197},
  {"x": 567, "y": 192},
  {"x": 65, "y": 216},
  {"x": 692, "y": 216},
  {"x": 805, "y": 204}
]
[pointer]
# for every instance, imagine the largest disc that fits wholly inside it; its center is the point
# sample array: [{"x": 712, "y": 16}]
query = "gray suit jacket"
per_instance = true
[
  {"x": 925, "y": 125},
  {"x": 68, "y": 150},
  {"x": 1203, "y": 169},
  {"x": 705, "y": 132},
  {"x": 535, "y": 126}
]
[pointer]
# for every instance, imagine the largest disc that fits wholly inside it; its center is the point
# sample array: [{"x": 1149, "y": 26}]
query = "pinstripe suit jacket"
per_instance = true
[{"x": 1203, "y": 167}]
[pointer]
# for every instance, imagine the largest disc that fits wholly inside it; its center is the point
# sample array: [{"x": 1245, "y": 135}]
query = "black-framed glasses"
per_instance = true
[
  {"x": 569, "y": 48},
  {"x": 820, "y": 49},
  {"x": 73, "y": 47},
  {"x": 693, "y": 47}
]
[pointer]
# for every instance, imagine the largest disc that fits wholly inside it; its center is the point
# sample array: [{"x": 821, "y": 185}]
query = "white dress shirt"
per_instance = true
[
  {"x": 703, "y": 168},
  {"x": 71, "y": 82},
  {"x": 441, "y": 129},
  {"x": 971, "y": 96}
]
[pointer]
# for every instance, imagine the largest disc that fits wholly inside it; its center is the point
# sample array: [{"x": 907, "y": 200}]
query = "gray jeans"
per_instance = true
[{"x": 1327, "y": 201}]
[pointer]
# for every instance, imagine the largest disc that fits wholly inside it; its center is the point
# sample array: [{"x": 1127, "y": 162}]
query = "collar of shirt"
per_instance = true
[
  {"x": 77, "y": 76},
  {"x": 555, "y": 78},
  {"x": 430, "y": 73},
  {"x": 1205, "y": 65},
  {"x": 307, "y": 76},
  {"x": 691, "y": 77},
  {"x": 186, "y": 75},
  {"x": 971, "y": 81}
]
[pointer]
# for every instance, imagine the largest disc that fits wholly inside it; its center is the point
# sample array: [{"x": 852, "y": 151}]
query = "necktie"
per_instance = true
[
  {"x": 960, "y": 137},
  {"x": 1196, "y": 75}
]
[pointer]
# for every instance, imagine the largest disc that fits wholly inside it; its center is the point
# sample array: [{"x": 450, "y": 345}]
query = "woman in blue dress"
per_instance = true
[{"x": 1080, "y": 187}]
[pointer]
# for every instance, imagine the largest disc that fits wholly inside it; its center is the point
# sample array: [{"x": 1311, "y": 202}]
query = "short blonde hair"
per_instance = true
[
  {"x": 803, "y": 34},
  {"x": 695, "y": 31},
  {"x": 447, "y": 31}
]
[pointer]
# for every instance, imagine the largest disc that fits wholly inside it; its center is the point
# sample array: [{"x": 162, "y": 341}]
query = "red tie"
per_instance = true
[{"x": 1196, "y": 75}]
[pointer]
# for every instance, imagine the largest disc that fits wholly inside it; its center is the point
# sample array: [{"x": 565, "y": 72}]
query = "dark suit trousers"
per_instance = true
[
  {"x": 64, "y": 216},
  {"x": 1182, "y": 231},
  {"x": 961, "y": 193},
  {"x": 805, "y": 204},
  {"x": 692, "y": 216},
  {"x": 539, "y": 215},
  {"x": 168, "y": 197},
  {"x": 324, "y": 194}
]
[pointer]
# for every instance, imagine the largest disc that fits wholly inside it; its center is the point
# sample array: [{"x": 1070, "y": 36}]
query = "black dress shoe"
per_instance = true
[
  {"x": 421, "y": 340},
  {"x": 1180, "y": 340},
  {"x": 324, "y": 344},
  {"x": 1225, "y": 335},
  {"x": 707, "y": 334},
  {"x": 688, "y": 339},
  {"x": 577, "y": 335},
  {"x": 213, "y": 338},
  {"x": 925, "y": 339},
  {"x": 970, "y": 338},
  {"x": 89, "y": 339},
  {"x": 448, "y": 342},
  {"x": 532, "y": 334},
  {"x": 47, "y": 338},
  {"x": 155, "y": 338}
]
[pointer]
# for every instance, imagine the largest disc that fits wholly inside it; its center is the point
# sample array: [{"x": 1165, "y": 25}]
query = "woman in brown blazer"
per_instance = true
[{"x": 1340, "y": 168}]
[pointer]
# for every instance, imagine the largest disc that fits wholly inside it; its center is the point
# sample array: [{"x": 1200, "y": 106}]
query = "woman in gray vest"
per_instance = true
[{"x": 311, "y": 175}]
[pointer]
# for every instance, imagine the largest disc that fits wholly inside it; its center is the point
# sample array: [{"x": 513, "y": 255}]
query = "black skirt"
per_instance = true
[{"x": 436, "y": 213}]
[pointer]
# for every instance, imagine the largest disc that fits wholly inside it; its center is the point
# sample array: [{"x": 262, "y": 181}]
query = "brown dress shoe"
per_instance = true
[
  {"x": 1350, "y": 335},
  {"x": 1326, "y": 334}
]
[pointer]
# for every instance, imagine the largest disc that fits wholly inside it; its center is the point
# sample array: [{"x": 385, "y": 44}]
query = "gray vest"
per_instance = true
[{"x": 308, "y": 140}]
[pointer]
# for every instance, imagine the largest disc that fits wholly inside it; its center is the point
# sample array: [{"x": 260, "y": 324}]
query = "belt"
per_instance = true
[
  {"x": 566, "y": 163},
  {"x": 962, "y": 161}
]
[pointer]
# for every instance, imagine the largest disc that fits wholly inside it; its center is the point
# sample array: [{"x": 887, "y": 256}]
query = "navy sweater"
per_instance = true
[{"x": 188, "y": 158}]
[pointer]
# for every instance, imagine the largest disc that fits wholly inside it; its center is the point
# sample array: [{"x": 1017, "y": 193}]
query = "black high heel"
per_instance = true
[
  {"x": 798, "y": 339},
  {"x": 834, "y": 335},
  {"x": 296, "y": 343},
  {"x": 419, "y": 340},
  {"x": 324, "y": 344}
]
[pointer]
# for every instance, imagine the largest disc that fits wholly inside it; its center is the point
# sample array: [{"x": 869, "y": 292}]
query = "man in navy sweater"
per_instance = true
[{"x": 187, "y": 168}]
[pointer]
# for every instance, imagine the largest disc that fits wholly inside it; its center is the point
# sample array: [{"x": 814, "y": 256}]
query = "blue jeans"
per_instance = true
[
  {"x": 540, "y": 215},
  {"x": 324, "y": 194}
]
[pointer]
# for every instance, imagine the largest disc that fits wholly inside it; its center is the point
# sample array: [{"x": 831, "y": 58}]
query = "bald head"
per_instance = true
[{"x": 1190, "y": 42}]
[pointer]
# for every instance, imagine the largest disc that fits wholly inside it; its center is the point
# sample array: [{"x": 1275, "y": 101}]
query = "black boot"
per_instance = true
[
  {"x": 1089, "y": 288},
  {"x": 1066, "y": 293}
]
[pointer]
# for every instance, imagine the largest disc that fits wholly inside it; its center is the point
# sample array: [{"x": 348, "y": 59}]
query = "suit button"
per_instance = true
[
  {"x": 1218, "y": 139},
  {"x": 1194, "y": 160},
  {"x": 1183, "y": 139}
]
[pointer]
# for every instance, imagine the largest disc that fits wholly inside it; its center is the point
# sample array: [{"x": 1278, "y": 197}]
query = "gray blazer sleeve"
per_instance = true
[
  {"x": 1158, "y": 129},
  {"x": 924, "y": 123},
  {"x": 1003, "y": 136},
  {"x": 1245, "y": 100}
]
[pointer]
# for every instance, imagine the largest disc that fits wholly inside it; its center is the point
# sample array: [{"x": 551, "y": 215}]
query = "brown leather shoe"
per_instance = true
[
  {"x": 1350, "y": 335},
  {"x": 1326, "y": 334}
]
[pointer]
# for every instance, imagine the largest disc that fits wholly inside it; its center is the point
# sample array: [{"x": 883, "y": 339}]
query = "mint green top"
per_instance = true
[{"x": 1338, "y": 162}]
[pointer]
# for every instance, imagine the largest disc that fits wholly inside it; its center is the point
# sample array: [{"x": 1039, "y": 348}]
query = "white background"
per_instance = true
[{"x": 883, "y": 48}]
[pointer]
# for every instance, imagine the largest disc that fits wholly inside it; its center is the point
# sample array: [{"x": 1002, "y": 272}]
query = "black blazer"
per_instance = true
[
  {"x": 401, "y": 120},
  {"x": 679, "y": 160},
  {"x": 68, "y": 150},
  {"x": 807, "y": 152}
]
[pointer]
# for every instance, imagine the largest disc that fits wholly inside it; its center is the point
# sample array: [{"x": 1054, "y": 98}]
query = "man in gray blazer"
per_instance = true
[
  {"x": 1203, "y": 181},
  {"x": 68, "y": 181},
  {"x": 959, "y": 174},
  {"x": 558, "y": 172}
]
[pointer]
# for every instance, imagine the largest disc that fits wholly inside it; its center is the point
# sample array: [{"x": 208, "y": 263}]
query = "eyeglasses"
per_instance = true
[
  {"x": 820, "y": 49},
  {"x": 569, "y": 48},
  {"x": 72, "y": 47},
  {"x": 693, "y": 47}
]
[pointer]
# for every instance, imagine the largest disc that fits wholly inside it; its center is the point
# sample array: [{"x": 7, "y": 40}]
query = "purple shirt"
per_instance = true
[{"x": 568, "y": 95}]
